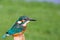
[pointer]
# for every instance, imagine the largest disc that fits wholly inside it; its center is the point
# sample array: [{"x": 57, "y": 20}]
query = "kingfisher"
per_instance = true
[{"x": 19, "y": 26}]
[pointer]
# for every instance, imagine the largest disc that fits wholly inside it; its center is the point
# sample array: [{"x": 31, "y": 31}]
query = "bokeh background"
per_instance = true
[{"x": 47, "y": 14}]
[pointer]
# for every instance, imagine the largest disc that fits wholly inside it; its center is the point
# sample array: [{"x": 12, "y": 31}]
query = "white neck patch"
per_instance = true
[{"x": 19, "y": 22}]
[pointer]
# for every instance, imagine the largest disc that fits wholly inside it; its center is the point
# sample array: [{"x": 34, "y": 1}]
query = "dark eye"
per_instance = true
[{"x": 25, "y": 19}]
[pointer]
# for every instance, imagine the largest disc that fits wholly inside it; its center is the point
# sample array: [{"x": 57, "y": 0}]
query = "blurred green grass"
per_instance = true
[{"x": 47, "y": 26}]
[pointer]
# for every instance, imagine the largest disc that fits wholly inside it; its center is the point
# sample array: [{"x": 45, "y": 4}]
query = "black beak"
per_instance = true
[{"x": 32, "y": 20}]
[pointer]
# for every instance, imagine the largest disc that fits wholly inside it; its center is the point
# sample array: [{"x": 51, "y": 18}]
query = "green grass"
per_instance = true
[{"x": 47, "y": 26}]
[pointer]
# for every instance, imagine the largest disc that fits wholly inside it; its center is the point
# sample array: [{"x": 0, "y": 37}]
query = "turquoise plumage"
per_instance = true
[{"x": 16, "y": 28}]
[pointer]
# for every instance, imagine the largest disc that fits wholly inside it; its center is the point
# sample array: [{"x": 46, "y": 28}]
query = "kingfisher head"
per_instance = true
[{"x": 25, "y": 20}]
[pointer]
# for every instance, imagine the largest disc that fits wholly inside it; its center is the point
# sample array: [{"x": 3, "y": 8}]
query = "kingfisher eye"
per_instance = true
[{"x": 25, "y": 19}]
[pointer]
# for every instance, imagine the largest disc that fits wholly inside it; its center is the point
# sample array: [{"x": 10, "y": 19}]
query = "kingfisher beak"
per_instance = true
[{"x": 32, "y": 20}]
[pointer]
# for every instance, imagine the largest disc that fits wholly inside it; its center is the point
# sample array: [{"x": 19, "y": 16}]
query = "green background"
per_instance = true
[{"x": 47, "y": 26}]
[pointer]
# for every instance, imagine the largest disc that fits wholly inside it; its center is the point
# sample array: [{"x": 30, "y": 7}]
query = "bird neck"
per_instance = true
[{"x": 25, "y": 23}]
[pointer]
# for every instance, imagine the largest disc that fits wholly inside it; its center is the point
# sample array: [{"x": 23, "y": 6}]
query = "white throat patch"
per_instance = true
[{"x": 26, "y": 23}]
